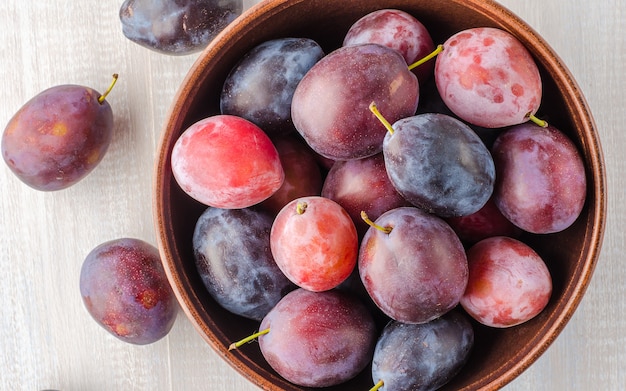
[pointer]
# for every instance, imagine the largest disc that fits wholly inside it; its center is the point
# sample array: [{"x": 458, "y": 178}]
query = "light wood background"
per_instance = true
[{"x": 47, "y": 339}]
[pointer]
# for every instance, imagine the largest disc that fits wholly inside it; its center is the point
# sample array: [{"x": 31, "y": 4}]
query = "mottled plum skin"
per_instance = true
[
  {"x": 125, "y": 290},
  {"x": 439, "y": 164},
  {"x": 422, "y": 357},
  {"x": 488, "y": 78},
  {"x": 541, "y": 185},
  {"x": 362, "y": 185},
  {"x": 315, "y": 243},
  {"x": 509, "y": 283},
  {"x": 303, "y": 176},
  {"x": 318, "y": 339},
  {"x": 176, "y": 27},
  {"x": 398, "y": 30},
  {"x": 485, "y": 223},
  {"x": 227, "y": 162},
  {"x": 58, "y": 137},
  {"x": 330, "y": 106},
  {"x": 261, "y": 86},
  {"x": 232, "y": 254},
  {"x": 418, "y": 271}
]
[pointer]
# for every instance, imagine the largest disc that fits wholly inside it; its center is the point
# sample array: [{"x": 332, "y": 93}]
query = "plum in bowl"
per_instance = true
[{"x": 499, "y": 354}]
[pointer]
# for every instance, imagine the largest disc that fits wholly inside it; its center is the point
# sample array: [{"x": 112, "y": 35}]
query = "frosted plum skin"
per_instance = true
[
  {"x": 488, "y": 78},
  {"x": 541, "y": 184},
  {"x": 176, "y": 27},
  {"x": 318, "y": 339},
  {"x": 233, "y": 257},
  {"x": 414, "y": 357},
  {"x": 418, "y": 271},
  {"x": 509, "y": 283},
  {"x": 398, "y": 30},
  {"x": 485, "y": 223},
  {"x": 227, "y": 162},
  {"x": 330, "y": 106},
  {"x": 261, "y": 86},
  {"x": 58, "y": 137},
  {"x": 439, "y": 164},
  {"x": 125, "y": 289}
]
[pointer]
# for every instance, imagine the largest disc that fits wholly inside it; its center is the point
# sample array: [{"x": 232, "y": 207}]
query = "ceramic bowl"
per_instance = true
[{"x": 499, "y": 355}]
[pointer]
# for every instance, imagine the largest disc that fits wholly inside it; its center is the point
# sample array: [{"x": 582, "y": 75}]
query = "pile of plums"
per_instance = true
[{"x": 356, "y": 213}]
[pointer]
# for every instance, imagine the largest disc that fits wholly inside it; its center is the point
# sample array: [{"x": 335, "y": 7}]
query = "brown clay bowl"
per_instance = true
[{"x": 499, "y": 355}]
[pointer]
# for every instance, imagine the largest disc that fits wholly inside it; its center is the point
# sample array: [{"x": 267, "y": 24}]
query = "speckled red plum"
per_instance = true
[
  {"x": 318, "y": 339},
  {"x": 125, "y": 290},
  {"x": 488, "y": 78}
]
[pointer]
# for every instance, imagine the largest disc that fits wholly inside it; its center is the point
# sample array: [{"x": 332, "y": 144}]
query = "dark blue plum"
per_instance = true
[
  {"x": 176, "y": 27},
  {"x": 415, "y": 357},
  {"x": 260, "y": 87},
  {"x": 233, "y": 257},
  {"x": 439, "y": 164}
]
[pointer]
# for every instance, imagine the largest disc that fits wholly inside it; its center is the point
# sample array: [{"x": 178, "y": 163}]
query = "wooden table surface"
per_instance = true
[{"x": 47, "y": 339}]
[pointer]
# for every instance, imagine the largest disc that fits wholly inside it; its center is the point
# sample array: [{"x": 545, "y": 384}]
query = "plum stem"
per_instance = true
[
  {"x": 301, "y": 207},
  {"x": 106, "y": 93},
  {"x": 435, "y": 52},
  {"x": 538, "y": 121},
  {"x": 244, "y": 341},
  {"x": 369, "y": 222},
  {"x": 374, "y": 109},
  {"x": 377, "y": 386}
]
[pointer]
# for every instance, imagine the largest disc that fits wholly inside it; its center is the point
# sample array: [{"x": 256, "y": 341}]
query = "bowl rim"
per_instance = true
[{"x": 574, "y": 99}]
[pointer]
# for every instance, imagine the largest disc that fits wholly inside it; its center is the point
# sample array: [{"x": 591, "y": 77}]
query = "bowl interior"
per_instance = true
[{"x": 499, "y": 355}]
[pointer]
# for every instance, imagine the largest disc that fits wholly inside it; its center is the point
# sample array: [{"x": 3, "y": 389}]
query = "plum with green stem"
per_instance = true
[
  {"x": 316, "y": 339},
  {"x": 59, "y": 136}
]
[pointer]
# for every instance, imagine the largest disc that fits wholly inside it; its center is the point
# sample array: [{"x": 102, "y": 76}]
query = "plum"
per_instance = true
[
  {"x": 303, "y": 176},
  {"x": 318, "y": 339},
  {"x": 176, "y": 27},
  {"x": 226, "y": 161},
  {"x": 59, "y": 136},
  {"x": 412, "y": 357},
  {"x": 485, "y": 223},
  {"x": 330, "y": 107},
  {"x": 233, "y": 257},
  {"x": 541, "y": 185},
  {"x": 398, "y": 30},
  {"x": 413, "y": 265},
  {"x": 362, "y": 185},
  {"x": 125, "y": 290},
  {"x": 439, "y": 164},
  {"x": 488, "y": 78},
  {"x": 509, "y": 283}
]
